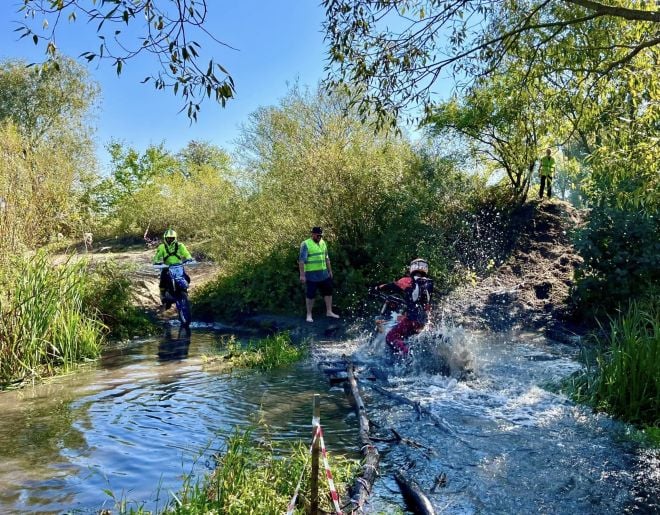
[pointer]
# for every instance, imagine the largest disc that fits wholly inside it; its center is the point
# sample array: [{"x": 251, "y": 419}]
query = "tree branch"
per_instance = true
[{"x": 617, "y": 12}]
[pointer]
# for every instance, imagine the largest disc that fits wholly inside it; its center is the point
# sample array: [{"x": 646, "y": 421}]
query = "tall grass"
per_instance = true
[
  {"x": 43, "y": 322},
  {"x": 623, "y": 376}
]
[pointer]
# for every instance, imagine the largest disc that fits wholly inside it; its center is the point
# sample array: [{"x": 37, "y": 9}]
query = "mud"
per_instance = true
[{"x": 531, "y": 288}]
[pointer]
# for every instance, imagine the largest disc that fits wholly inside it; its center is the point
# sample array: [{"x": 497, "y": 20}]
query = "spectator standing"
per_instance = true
[
  {"x": 316, "y": 272},
  {"x": 546, "y": 171}
]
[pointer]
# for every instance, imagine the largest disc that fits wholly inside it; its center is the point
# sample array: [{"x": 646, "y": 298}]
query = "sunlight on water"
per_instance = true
[
  {"x": 480, "y": 432},
  {"x": 146, "y": 415}
]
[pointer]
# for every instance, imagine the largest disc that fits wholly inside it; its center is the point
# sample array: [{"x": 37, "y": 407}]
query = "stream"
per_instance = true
[{"x": 128, "y": 427}]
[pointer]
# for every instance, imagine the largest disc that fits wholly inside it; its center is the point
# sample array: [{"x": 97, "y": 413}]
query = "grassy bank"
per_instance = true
[
  {"x": 251, "y": 477},
  {"x": 53, "y": 317},
  {"x": 622, "y": 374},
  {"x": 264, "y": 354}
]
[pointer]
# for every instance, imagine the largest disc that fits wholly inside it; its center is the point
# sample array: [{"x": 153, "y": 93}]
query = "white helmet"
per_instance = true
[{"x": 419, "y": 265}]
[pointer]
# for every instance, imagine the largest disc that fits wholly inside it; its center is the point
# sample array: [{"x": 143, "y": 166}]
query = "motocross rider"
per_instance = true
[
  {"x": 170, "y": 252},
  {"x": 416, "y": 289}
]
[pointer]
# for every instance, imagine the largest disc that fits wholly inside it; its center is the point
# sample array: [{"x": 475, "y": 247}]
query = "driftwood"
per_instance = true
[
  {"x": 411, "y": 443},
  {"x": 414, "y": 496},
  {"x": 418, "y": 408},
  {"x": 363, "y": 485},
  {"x": 437, "y": 421}
]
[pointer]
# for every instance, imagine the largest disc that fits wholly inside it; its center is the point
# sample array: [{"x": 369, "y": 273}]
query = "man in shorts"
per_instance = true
[{"x": 316, "y": 272}]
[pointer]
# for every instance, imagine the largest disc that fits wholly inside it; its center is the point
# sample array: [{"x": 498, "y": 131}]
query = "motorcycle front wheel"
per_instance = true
[{"x": 183, "y": 310}]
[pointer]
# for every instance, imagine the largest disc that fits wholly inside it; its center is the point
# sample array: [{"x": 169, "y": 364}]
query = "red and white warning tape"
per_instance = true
[
  {"x": 292, "y": 503},
  {"x": 318, "y": 433},
  {"x": 328, "y": 474}
]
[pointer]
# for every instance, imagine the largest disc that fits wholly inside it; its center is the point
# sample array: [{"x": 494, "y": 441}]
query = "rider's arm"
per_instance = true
[
  {"x": 158, "y": 258},
  {"x": 302, "y": 257},
  {"x": 393, "y": 287},
  {"x": 184, "y": 255}
]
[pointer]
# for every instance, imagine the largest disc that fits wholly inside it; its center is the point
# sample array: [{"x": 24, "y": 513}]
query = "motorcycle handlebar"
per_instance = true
[
  {"x": 161, "y": 266},
  {"x": 375, "y": 292}
]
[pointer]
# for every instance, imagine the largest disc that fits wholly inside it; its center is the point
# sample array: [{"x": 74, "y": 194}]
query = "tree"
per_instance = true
[
  {"x": 156, "y": 189},
  {"x": 166, "y": 35},
  {"x": 131, "y": 172},
  {"x": 50, "y": 102},
  {"x": 48, "y": 154},
  {"x": 504, "y": 123},
  {"x": 198, "y": 154},
  {"x": 396, "y": 50}
]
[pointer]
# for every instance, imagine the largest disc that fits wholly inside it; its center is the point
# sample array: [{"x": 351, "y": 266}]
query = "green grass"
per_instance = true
[
  {"x": 623, "y": 375},
  {"x": 53, "y": 317},
  {"x": 44, "y": 325},
  {"x": 265, "y": 354},
  {"x": 251, "y": 477}
]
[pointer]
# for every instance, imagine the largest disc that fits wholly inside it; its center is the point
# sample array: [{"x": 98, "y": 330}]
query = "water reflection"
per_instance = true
[
  {"x": 141, "y": 418},
  {"x": 175, "y": 344}
]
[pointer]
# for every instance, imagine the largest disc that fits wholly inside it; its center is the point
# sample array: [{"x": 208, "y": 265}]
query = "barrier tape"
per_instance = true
[
  {"x": 318, "y": 433},
  {"x": 292, "y": 503},
  {"x": 328, "y": 474}
]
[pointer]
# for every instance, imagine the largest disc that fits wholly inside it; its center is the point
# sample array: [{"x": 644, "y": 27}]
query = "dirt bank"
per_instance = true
[{"x": 530, "y": 289}]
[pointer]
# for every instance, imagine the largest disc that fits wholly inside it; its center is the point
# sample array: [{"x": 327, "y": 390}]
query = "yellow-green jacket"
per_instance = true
[
  {"x": 317, "y": 253},
  {"x": 171, "y": 254}
]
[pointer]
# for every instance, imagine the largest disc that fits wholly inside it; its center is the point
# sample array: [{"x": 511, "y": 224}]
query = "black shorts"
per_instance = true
[{"x": 324, "y": 287}]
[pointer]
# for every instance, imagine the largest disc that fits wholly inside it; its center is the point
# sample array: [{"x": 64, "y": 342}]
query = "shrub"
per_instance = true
[
  {"x": 621, "y": 251},
  {"x": 108, "y": 297},
  {"x": 623, "y": 375}
]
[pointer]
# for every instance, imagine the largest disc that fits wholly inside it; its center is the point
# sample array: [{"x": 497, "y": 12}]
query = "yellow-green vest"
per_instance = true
[
  {"x": 547, "y": 166},
  {"x": 316, "y": 254}
]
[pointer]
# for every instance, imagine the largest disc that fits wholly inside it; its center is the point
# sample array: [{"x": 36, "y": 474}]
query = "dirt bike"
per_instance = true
[
  {"x": 176, "y": 291},
  {"x": 390, "y": 314}
]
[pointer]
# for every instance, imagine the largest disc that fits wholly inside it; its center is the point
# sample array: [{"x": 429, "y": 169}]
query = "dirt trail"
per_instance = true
[{"x": 137, "y": 260}]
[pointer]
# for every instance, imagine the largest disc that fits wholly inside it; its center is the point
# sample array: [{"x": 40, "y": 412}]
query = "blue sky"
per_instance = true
[{"x": 276, "y": 42}]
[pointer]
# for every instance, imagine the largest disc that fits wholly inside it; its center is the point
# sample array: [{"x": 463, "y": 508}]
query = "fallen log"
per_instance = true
[
  {"x": 363, "y": 484},
  {"x": 437, "y": 421},
  {"x": 413, "y": 495}
]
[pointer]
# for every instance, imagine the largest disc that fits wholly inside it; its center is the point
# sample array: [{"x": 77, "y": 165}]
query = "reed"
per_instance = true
[
  {"x": 623, "y": 376},
  {"x": 43, "y": 322},
  {"x": 251, "y": 478}
]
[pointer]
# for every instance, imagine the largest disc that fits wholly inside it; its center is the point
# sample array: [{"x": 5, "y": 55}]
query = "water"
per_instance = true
[
  {"x": 144, "y": 417},
  {"x": 501, "y": 443},
  {"x": 493, "y": 440}
]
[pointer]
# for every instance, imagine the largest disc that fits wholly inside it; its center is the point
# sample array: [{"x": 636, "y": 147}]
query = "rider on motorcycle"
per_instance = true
[
  {"x": 416, "y": 289},
  {"x": 170, "y": 252}
]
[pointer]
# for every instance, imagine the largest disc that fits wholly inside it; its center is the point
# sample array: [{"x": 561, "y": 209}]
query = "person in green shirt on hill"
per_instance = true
[
  {"x": 316, "y": 272},
  {"x": 546, "y": 171},
  {"x": 170, "y": 252}
]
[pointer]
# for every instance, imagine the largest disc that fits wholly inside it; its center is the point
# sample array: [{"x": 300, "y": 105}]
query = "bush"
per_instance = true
[
  {"x": 108, "y": 297},
  {"x": 623, "y": 376},
  {"x": 621, "y": 251},
  {"x": 44, "y": 324}
]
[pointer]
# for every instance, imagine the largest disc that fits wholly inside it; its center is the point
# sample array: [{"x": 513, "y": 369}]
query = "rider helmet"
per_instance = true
[
  {"x": 420, "y": 266},
  {"x": 169, "y": 236}
]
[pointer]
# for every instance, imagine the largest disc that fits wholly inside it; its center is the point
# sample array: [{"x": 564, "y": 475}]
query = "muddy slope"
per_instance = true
[{"x": 530, "y": 289}]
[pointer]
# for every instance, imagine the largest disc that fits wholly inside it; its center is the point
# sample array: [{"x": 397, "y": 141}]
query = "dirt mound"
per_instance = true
[{"x": 530, "y": 288}]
